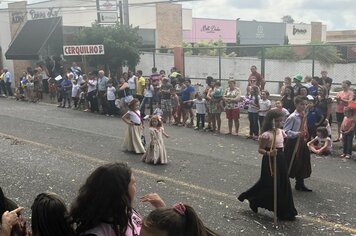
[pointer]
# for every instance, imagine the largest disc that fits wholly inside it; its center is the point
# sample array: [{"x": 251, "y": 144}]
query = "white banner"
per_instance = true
[
  {"x": 108, "y": 17},
  {"x": 107, "y": 5},
  {"x": 78, "y": 50}
]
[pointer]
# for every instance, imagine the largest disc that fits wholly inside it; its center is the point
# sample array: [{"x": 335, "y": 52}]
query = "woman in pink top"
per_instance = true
[
  {"x": 261, "y": 194},
  {"x": 347, "y": 130},
  {"x": 103, "y": 206},
  {"x": 342, "y": 98}
]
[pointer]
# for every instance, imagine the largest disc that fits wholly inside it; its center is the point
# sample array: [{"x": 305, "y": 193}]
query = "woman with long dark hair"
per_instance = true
[
  {"x": 288, "y": 99},
  {"x": 261, "y": 194},
  {"x": 104, "y": 203},
  {"x": 50, "y": 216}
]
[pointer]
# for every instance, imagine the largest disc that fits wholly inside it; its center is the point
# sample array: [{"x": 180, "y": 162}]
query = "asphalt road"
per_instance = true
[{"x": 45, "y": 148}]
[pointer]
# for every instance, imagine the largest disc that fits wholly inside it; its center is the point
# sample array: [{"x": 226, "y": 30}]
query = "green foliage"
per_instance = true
[
  {"x": 206, "y": 48},
  {"x": 121, "y": 45},
  {"x": 281, "y": 53},
  {"x": 327, "y": 55},
  {"x": 287, "y": 19}
]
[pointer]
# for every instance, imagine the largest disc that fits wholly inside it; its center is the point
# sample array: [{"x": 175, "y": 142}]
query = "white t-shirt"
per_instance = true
[
  {"x": 75, "y": 89},
  {"x": 148, "y": 92},
  {"x": 264, "y": 105},
  {"x": 110, "y": 93},
  {"x": 200, "y": 105},
  {"x": 131, "y": 82},
  {"x": 135, "y": 118},
  {"x": 93, "y": 86},
  {"x": 321, "y": 142}
]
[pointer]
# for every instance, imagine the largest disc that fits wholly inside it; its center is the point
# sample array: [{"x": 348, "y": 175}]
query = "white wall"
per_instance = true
[
  {"x": 239, "y": 68},
  {"x": 143, "y": 16},
  {"x": 5, "y": 38},
  {"x": 187, "y": 18},
  {"x": 299, "y": 37}
]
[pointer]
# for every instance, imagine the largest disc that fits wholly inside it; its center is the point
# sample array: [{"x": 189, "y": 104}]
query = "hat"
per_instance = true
[{"x": 298, "y": 77}]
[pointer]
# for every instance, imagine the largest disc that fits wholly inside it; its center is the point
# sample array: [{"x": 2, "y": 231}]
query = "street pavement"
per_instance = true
[{"x": 45, "y": 148}]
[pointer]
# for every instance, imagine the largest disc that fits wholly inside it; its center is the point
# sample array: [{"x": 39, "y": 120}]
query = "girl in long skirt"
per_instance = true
[
  {"x": 261, "y": 194},
  {"x": 132, "y": 118},
  {"x": 156, "y": 151}
]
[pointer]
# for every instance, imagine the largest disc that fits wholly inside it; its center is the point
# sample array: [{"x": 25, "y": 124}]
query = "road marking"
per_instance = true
[{"x": 177, "y": 182}]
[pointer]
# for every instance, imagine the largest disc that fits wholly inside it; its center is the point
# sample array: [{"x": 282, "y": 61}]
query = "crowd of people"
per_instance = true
[
  {"x": 103, "y": 207},
  {"x": 289, "y": 130},
  {"x": 172, "y": 98}
]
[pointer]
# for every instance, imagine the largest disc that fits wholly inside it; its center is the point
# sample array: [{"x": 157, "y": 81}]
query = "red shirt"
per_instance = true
[{"x": 258, "y": 77}]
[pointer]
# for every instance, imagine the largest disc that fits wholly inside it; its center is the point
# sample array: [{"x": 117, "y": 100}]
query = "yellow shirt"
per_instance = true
[
  {"x": 141, "y": 82},
  {"x": 2, "y": 76}
]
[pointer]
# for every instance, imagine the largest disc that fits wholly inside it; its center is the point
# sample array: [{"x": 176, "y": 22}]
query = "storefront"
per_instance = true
[
  {"x": 260, "y": 33},
  {"x": 211, "y": 29}
]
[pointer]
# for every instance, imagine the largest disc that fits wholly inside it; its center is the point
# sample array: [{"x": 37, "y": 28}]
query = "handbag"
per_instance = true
[{"x": 127, "y": 98}]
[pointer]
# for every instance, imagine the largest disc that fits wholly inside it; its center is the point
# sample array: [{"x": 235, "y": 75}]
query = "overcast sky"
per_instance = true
[{"x": 336, "y": 14}]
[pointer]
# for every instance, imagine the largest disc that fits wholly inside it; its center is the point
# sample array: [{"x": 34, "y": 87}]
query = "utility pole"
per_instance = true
[
  {"x": 126, "y": 12},
  {"x": 120, "y": 13}
]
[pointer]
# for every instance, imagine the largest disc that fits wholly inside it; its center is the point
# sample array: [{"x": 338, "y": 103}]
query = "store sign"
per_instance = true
[
  {"x": 42, "y": 14},
  {"x": 17, "y": 17},
  {"x": 107, "y": 5},
  {"x": 108, "y": 17},
  {"x": 210, "y": 29},
  {"x": 298, "y": 30},
  {"x": 260, "y": 34},
  {"x": 82, "y": 50}
]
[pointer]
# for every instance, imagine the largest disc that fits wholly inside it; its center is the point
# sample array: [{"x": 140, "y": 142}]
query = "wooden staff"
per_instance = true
[
  {"x": 296, "y": 147},
  {"x": 274, "y": 174}
]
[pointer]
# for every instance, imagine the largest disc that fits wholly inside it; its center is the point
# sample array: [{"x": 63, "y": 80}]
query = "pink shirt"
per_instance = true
[
  {"x": 345, "y": 96},
  {"x": 347, "y": 124},
  {"x": 106, "y": 229},
  {"x": 268, "y": 135}
]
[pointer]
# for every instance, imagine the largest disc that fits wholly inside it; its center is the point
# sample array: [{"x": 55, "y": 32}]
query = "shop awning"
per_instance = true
[{"x": 34, "y": 37}]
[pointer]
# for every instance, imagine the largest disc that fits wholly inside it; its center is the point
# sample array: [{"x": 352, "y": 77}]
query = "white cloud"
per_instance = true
[{"x": 336, "y": 14}]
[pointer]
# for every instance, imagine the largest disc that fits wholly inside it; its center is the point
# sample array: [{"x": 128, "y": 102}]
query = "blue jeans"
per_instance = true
[
  {"x": 143, "y": 105},
  {"x": 8, "y": 88},
  {"x": 347, "y": 142},
  {"x": 253, "y": 118}
]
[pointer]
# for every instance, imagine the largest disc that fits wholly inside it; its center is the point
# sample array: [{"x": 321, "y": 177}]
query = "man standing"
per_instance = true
[
  {"x": 155, "y": 81},
  {"x": 8, "y": 81},
  {"x": 260, "y": 81},
  {"x": 187, "y": 108},
  {"x": 140, "y": 86},
  {"x": 102, "y": 87}
]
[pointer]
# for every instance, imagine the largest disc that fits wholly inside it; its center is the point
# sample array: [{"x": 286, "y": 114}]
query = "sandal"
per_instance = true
[
  {"x": 342, "y": 155},
  {"x": 347, "y": 156}
]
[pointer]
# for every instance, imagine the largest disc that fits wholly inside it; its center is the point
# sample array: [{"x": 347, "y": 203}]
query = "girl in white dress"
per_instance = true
[
  {"x": 132, "y": 118},
  {"x": 156, "y": 151}
]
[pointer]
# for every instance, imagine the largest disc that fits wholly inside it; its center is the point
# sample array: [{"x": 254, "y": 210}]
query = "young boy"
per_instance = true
[
  {"x": 295, "y": 128},
  {"x": 110, "y": 97},
  {"x": 75, "y": 93},
  {"x": 200, "y": 105}
]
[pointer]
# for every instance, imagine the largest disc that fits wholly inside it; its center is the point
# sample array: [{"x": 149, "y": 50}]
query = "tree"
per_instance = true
[
  {"x": 327, "y": 55},
  {"x": 287, "y": 19},
  {"x": 207, "y": 48},
  {"x": 121, "y": 45},
  {"x": 281, "y": 53}
]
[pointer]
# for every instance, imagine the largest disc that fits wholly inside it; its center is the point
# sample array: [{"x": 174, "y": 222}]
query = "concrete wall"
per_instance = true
[{"x": 239, "y": 68}]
